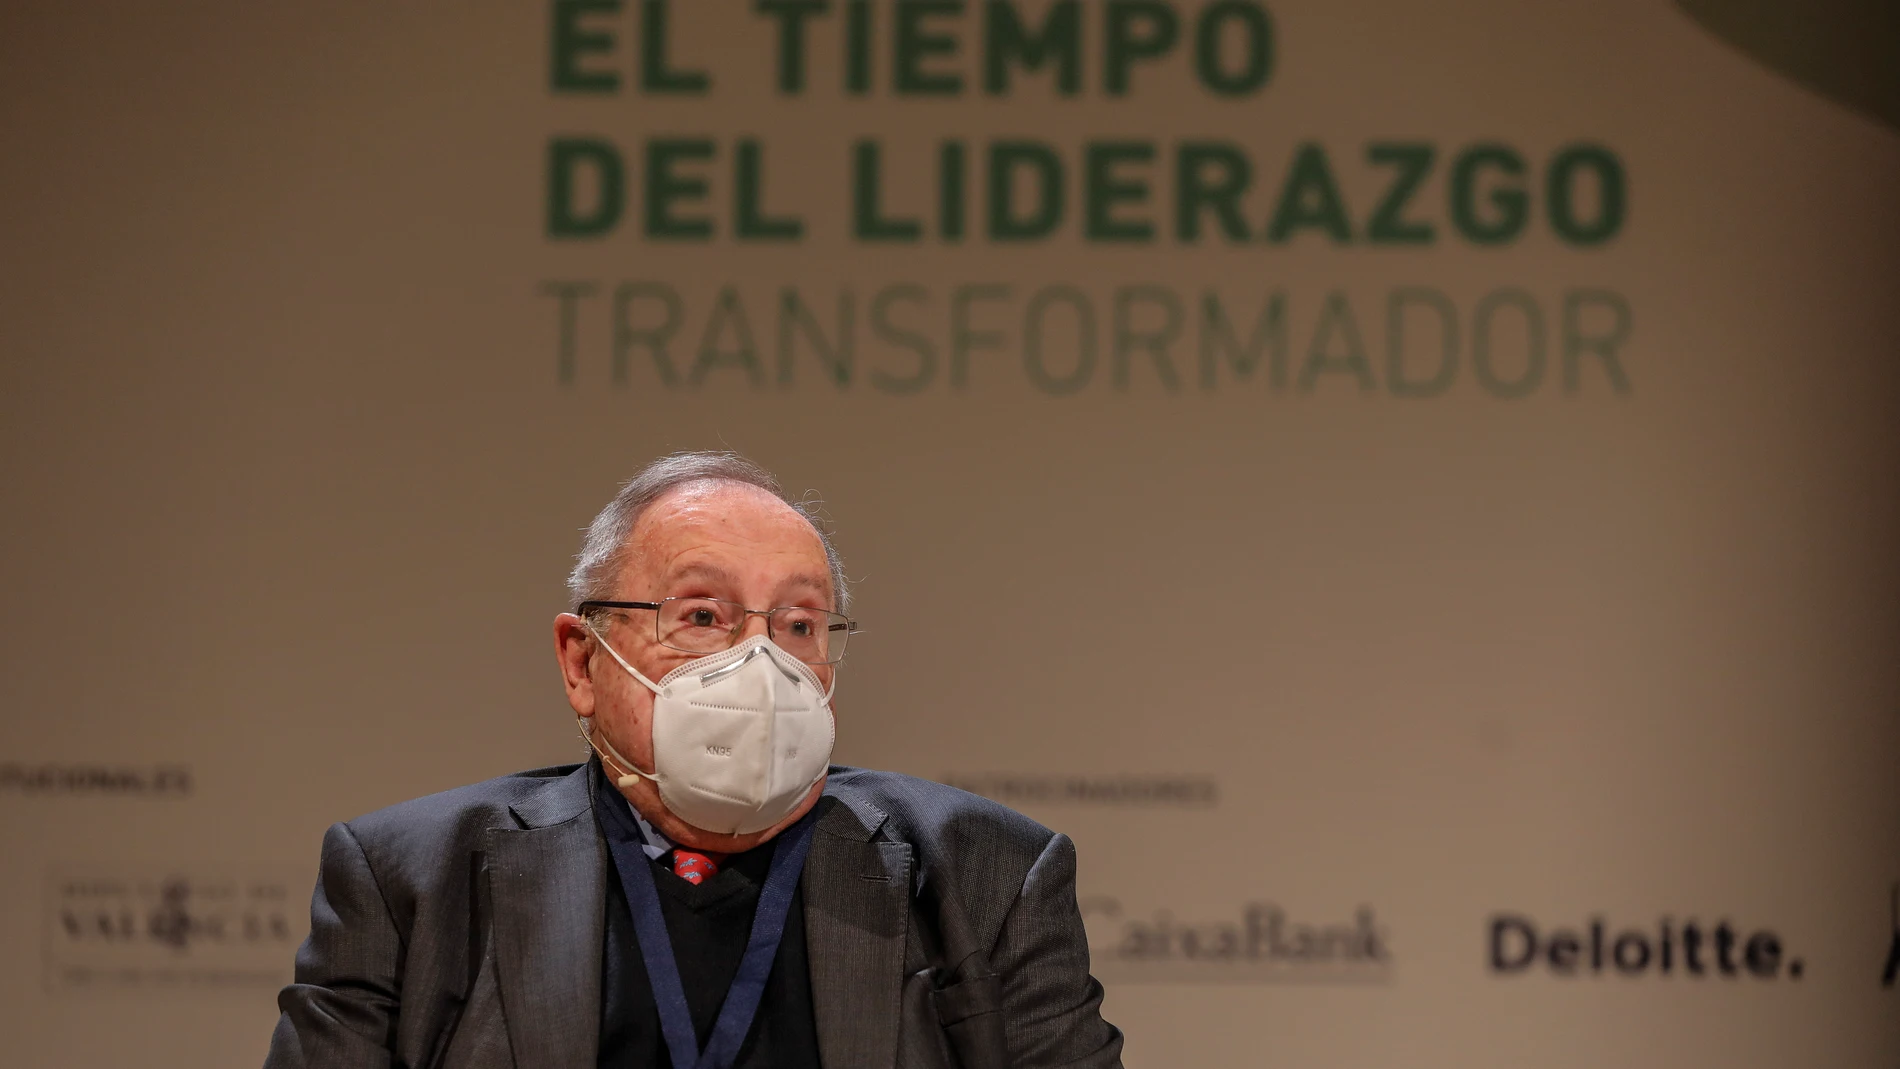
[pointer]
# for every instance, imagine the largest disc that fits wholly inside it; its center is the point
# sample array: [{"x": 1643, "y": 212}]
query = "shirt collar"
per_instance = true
[
  {"x": 652, "y": 842},
  {"x": 655, "y": 844}
]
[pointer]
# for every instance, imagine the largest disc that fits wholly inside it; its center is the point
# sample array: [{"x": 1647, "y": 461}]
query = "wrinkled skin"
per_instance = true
[{"x": 702, "y": 539}]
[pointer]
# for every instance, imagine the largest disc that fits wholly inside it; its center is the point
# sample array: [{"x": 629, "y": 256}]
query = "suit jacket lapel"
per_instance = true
[
  {"x": 547, "y": 881},
  {"x": 857, "y": 911}
]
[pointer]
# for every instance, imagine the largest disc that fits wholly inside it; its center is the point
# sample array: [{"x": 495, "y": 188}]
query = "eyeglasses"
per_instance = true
[{"x": 709, "y": 625}]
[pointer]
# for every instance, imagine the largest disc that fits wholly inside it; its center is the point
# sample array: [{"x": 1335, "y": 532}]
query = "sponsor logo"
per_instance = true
[
  {"x": 1892, "y": 973},
  {"x": 1687, "y": 948},
  {"x": 156, "y": 781},
  {"x": 116, "y": 927},
  {"x": 1260, "y": 943},
  {"x": 1122, "y": 790}
]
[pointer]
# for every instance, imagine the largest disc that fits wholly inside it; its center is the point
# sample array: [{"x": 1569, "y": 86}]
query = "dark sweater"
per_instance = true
[{"x": 709, "y": 924}]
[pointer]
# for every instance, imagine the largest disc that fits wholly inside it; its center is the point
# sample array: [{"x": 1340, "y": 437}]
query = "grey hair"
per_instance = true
[{"x": 604, "y": 548}]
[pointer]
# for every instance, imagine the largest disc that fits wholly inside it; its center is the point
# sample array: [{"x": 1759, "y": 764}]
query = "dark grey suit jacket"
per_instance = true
[{"x": 463, "y": 931}]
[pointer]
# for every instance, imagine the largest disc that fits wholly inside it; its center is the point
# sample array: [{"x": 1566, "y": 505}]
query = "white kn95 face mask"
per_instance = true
[{"x": 739, "y": 737}]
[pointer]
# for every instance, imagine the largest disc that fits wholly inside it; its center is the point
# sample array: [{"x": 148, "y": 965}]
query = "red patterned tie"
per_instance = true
[{"x": 695, "y": 867}]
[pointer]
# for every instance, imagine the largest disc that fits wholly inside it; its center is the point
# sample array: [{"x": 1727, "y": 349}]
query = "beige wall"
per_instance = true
[{"x": 294, "y": 472}]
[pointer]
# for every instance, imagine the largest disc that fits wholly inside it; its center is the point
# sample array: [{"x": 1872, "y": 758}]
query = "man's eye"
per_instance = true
[
  {"x": 703, "y": 618},
  {"x": 802, "y": 628}
]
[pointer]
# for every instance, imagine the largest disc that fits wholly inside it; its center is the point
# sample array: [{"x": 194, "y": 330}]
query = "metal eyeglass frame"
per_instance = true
[{"x": 849, "y": 626}]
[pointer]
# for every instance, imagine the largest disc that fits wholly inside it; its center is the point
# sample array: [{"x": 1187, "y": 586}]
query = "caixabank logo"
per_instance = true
[
  {"x": 1258, "y": 942},
  {"x": 1684, "y": 947}
]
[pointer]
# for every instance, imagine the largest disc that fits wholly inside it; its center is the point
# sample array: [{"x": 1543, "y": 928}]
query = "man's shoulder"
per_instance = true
[
  {"x": 465, "y": 812},
  {"x": 936, "y": 815},
  {"x": 979, "y": 854}
]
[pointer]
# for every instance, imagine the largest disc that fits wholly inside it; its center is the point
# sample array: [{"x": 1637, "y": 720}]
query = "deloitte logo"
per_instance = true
[
  {"x": 1688, "y": 948},
  {"x": 1260, "y": 943}
]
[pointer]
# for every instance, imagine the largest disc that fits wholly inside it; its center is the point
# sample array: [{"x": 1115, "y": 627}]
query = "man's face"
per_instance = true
[{"x": 708, "y": 539}]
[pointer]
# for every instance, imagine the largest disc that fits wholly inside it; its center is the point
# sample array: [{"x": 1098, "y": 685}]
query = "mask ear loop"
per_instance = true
[
  {"x": 615, "y": 654},
  {"x": 611, "y": 756},
  {"x": 630, "y": 774}
]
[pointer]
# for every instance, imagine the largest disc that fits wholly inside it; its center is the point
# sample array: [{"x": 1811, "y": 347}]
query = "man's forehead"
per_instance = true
[
  {"x": 696, "y": 523},
  {"x": 701, "y": 567},
  {"x": 711, "y": 502}
]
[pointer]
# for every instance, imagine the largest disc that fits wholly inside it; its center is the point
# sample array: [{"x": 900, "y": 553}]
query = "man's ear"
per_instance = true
[{"x": 574, "y": 649}]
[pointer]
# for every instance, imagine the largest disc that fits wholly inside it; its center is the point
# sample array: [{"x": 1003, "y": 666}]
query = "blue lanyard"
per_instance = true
[{"x": 656, "y": 946}]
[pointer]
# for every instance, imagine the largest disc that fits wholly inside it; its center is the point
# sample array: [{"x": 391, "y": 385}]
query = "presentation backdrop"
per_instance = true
[{"x": 1409, "y": 488}]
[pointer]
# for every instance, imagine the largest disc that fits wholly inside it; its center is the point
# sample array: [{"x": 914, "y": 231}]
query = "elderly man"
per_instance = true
[{"x": 706, "y": 890}]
